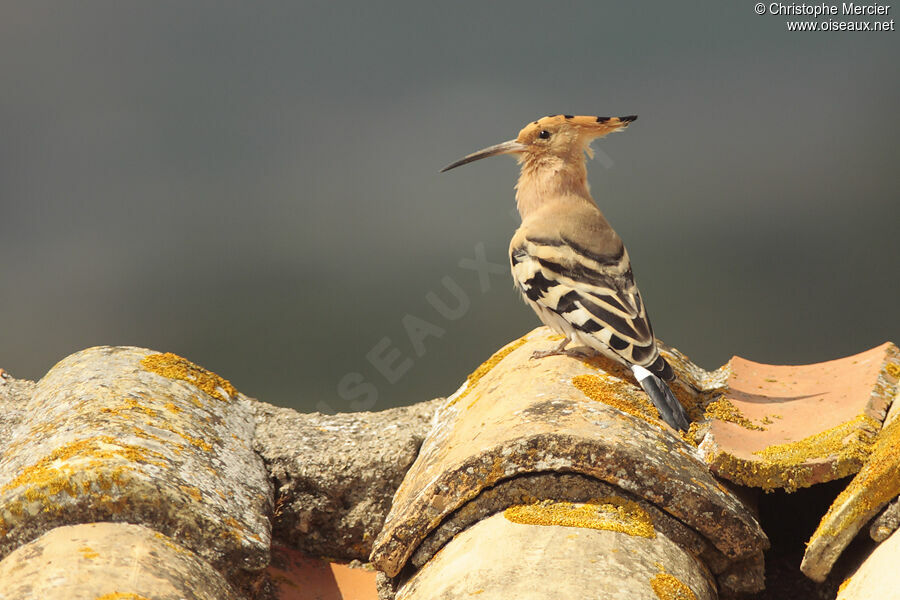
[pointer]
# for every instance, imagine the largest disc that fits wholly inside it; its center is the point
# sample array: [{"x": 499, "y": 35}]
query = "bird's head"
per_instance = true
[{"x": 553, "y": 141}]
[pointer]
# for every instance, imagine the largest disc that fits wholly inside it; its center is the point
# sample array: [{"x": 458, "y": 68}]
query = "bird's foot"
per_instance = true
[
  {"x": 559, "y": 350},
  {"x": 556, "y": 352}
]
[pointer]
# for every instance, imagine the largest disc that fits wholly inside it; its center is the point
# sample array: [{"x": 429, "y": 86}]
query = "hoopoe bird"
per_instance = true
[{"x": 567, "y": 261}]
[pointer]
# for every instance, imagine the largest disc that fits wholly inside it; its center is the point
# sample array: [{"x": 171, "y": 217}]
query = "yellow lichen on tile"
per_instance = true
[
  {"x": 88, "y": 552},
  {"x": 788, "y": 465},
  {"x": 693, "y": 433},
  {"x": 173, "y": 446},
  {"x": 235, "y": 530},
  {"x": 848, "y": 441},
  {"x": 52, "y": 474},
  {"x": 171, "y": 425},
  {"x": 876, "y": 484},
  {"x": 611, "y": 393},
  {"x": 486, "y": 367},
  {"x": 610, "y": 513},
  {"x": 893, "y": 369},
  {"x": 692, "y": 403},
  {"x": 105, "y": 480},
  {"x": 175, "y": 367},
  {"x": 842, "y": 587},
  {"x": 489, "y": 476},
  {"x": 172, "y": 545},
  {"x": 193, "y": 492},
  {"x": 669, "y": 587},
  {"x": 724, "y": 410},
  {"x": 121, "y": 596},
  {"x": 130, "y": 405},
  {"x": 196, "y": 442},
  {"x": 172, "y": 408}
]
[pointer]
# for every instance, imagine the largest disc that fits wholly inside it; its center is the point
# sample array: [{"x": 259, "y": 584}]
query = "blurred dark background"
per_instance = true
[{"x": 255, "y": 185}]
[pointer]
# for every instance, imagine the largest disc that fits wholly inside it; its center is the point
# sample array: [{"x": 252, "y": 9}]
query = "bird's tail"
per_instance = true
[{"x": 663, "y": 399}]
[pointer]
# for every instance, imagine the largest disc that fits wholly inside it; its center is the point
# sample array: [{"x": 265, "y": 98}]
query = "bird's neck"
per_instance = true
[{"x": 543, "y": 181}]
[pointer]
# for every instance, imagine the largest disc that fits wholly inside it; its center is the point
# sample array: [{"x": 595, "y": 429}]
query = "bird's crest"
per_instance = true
[
  {"x": 590, "y": 127},
  {"x": 560, "y": 137}
]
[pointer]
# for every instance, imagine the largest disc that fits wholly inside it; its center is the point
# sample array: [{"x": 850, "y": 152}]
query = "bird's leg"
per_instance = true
[{"x": 561, "y": 349}]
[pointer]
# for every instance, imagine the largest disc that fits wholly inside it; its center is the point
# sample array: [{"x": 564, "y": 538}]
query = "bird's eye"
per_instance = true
[{"x": 544, "y": 134}]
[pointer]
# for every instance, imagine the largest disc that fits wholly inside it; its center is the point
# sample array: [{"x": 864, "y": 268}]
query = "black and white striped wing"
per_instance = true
[{"x": 594, "y": 294}]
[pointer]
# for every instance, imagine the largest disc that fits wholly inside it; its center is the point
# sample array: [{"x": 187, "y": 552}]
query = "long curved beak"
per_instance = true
[{"x": 510, "y": 147}]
